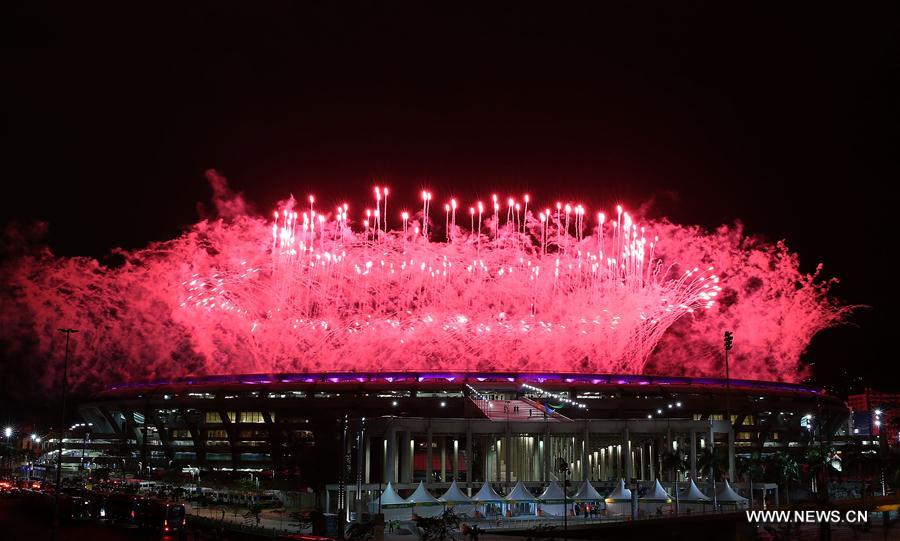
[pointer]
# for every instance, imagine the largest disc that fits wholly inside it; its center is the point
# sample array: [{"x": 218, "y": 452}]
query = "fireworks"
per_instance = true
[
  {"x": 519, "y": 286},
  {"x": 538, "y": 294}
]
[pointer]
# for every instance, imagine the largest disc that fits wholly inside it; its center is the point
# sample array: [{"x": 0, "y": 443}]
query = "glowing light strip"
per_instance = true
[{"x": 559, "y": 397}]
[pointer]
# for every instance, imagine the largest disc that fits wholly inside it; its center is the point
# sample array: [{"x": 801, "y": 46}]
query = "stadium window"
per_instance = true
[
  {"x": 213, "y": 417},
  {"x": 750, "y": 420},
  {"x": 232, "y": 416},
  {"x": 252, "y": 417}
]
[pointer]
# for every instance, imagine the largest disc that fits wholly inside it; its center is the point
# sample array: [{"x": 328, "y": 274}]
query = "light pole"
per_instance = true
[
  {"x": 562, "y": 466},
  {"x": 62, "y": 429},
  {"x": 729, "y": 338},
  {"x": 8, "y": 432}
]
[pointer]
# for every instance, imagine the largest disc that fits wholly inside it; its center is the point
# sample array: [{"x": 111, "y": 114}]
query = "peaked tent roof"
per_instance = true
[
  {"x": 658, "y": 494},
  {"x": 552, "y": 492},
  {"x": 454, "y": 494},
  {"x": 620, "y": 493},
  {"x": 390, "y": 496},
  {"x": 693, "y": 494},
  {"x": 487, "y": 494},
  {"x": 520, "y": 494},
  {"x": 587, "y": 492},
  {"x": 727, "y": 495},
  {"x": 421, "y": 495}
]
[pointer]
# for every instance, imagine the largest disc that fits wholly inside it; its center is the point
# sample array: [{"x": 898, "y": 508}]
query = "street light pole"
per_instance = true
[
  {"x": 729, "y": 337},
  {"x": 562, "y": 466},
  {"x": 62, "y": 429}
]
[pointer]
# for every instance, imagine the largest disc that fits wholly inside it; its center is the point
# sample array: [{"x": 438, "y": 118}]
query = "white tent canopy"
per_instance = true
[
  {"x": 520, "y": 493},
  {"x": 392, "y": 506},
  {"x": 421, "y": 496},
  {"x": 728, "y": 495},
  {"x": 487, "y": 494},
  {"x": 423, "y": 503},
  {"x": 586, "y": 492},
  {"x": 693, "y": 494},
  {"x": 390, "y": 497},
  {"x": 619, "y": 500},
  {"x": 552, "y": 493},
  {"x": 553, "y": 501},
  {"x": 619, "y": 494},
  {"x": 454, "y": 495},
  {"x": 658, "y": 494}
]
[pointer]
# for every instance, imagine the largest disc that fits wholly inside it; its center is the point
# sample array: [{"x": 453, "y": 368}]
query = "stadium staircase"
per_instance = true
[{"x": 503, "y": 410}]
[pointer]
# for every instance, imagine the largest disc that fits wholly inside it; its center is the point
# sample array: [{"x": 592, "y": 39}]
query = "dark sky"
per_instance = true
[{"x": 785, "y": 119}]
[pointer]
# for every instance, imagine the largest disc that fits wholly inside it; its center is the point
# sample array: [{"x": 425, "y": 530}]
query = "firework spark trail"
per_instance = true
[
  {"x": 398, "y": 301},
  {"x": 237, "y": 295}
]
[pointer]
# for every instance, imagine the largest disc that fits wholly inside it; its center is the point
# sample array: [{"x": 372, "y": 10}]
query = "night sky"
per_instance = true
[{"x": 785, "y": 120}]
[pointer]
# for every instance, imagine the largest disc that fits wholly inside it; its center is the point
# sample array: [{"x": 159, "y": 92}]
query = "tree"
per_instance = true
[
  {"x": 751, "y": 468},
  {"x": 711, "y": 460},
  {"x": 786, "y": 471},
  {"x": 674, "y": 462},
  {"x": 439, "y": 528}
]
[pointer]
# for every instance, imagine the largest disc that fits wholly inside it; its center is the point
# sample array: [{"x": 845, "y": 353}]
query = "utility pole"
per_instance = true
[
  {"x": 562, "y": 466},
  {"x": 729, "y": 337},
  {"x": 62, "y": 431}
]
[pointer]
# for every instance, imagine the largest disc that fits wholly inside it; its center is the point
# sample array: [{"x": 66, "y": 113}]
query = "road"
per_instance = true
[{"x": 18, "y": 525}]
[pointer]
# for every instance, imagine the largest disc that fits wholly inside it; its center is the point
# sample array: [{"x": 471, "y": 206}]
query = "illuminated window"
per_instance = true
[
  {"x": 213, "y": 417},
  {"x": 217, "y": 434},
  {"x": 252, "y": 417}
]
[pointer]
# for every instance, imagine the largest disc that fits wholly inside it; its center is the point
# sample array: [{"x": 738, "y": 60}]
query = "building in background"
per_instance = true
[{"x": 876, "y": 413}]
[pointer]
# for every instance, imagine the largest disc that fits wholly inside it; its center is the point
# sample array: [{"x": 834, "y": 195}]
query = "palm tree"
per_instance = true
[
  {"x": 752, "y": 468},
  {"x": 711, "y": 460},
  {"x": 818, "y": 460},
  {"x": 674, "y": 462},
  {"x": 786, "y": 470}
]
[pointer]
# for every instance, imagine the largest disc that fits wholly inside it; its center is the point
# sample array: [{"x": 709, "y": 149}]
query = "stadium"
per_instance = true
[{"x": 436, "y": 428}]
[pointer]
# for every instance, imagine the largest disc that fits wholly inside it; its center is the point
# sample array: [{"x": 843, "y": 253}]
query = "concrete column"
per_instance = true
[
  {"x": 443, "y": 443},
  {"x": 693, "y": 455},
  {"x": 585, "y": 465},
  {"x": 390, "y": 456},
  {"x": 406, "y": 459},
  {"x": 641, "y": 461},
  {"x": 546, "y": 455},
  {"x": 731, "y": 453},
  {"x": 486, "y": 468},
  {"x": 469, "y": 444},
  {"x": 456, "y": 460},
  {"x": 429, "y": 455},
  {"x": 507, "y": 454},
  {"x": 367, "y": 475},
  {"x": 712, "y": 443},
  {"x": 626, "y": 451}
]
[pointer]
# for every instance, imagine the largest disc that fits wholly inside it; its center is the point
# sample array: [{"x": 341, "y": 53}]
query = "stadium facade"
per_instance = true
[{"x": 439, "y": 427}]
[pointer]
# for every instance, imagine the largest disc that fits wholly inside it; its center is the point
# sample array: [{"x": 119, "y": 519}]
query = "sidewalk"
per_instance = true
[{"x": 269, "y": 519}]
